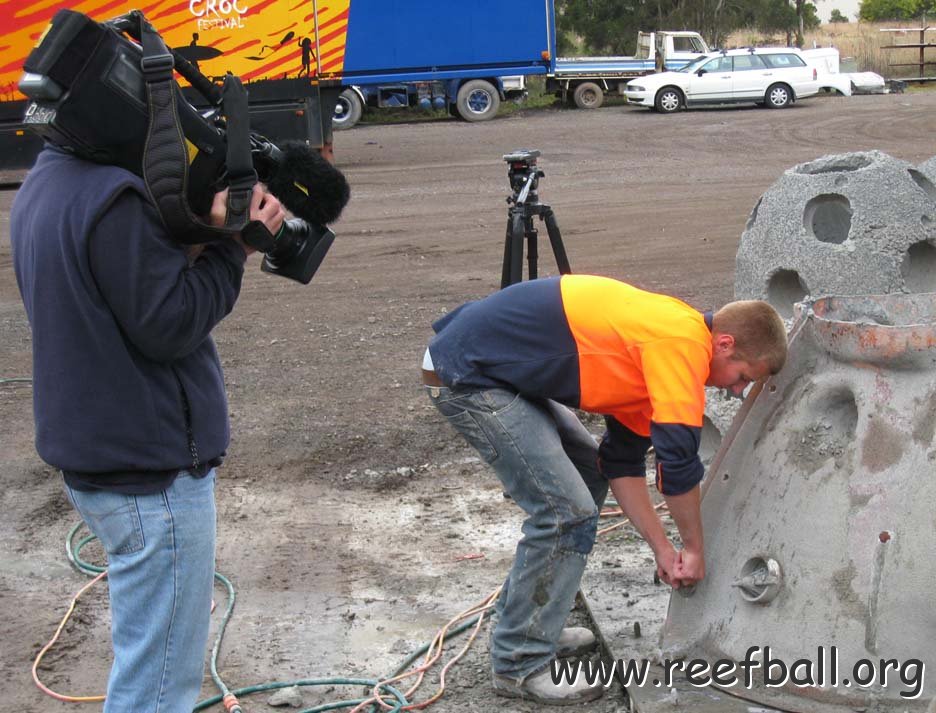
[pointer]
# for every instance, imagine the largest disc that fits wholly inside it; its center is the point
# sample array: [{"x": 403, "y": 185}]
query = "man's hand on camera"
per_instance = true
[{"x": 264, "y": 207}]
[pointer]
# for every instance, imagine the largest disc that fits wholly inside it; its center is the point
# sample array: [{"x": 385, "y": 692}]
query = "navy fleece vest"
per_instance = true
[{"x": 121, "y": 345}]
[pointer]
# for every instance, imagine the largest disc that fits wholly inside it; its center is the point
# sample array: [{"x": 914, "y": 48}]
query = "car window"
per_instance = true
[
  {"x": 719, "y": 64},
  {"x": 745, "y": 62},
  {"x": 783, "y": 61},
  {"x": 694, "y": 65}
]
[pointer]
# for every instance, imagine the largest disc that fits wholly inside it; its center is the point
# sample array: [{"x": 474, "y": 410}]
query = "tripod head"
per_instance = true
[{"x": 524, "y": 175}]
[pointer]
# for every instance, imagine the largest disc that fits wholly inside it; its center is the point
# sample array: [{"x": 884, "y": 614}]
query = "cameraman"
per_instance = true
[{"x": 129, "y": 402}]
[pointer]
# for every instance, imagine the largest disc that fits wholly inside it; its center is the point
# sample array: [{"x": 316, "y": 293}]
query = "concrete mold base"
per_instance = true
[{"x": 820, "y": 516}]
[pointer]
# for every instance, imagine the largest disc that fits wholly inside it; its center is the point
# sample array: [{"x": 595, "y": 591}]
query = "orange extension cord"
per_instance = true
[
  {"x": 433, "y": 654},
  {"x": 35, "y": 668}
]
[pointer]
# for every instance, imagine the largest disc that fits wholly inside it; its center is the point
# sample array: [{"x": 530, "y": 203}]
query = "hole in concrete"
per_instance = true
[
  {"x": 760, "y": 580},
  {"x": 926, "y": 221},
  {"x": 784, "y": 289},
  {"x": 840, "y": 181},
  {"x": 709, "y": 441},
  {"x": 918, "y": 268},
  {"x": 838, "y": 414},
  {"x": 836, "y": 164},
  {"x": 726, "y": 477},
  {"x": 827, "y": 218},
  {"x": 925, "y": 184},
  {"x": 830, "y": 433},
  {"x": 772, "y": 388},
  {"x": 752, "y": 218}
]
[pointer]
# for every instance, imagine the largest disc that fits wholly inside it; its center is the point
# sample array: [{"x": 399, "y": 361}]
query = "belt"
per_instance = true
[{"x": 430, "y": 378}]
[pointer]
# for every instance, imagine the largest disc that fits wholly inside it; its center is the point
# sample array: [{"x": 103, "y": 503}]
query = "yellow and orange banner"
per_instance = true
[{"x": 254, "y": 39}]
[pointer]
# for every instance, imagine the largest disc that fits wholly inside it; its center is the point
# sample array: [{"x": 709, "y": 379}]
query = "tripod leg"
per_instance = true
[
  {"x": 515, "y": 249},
  {"x": 532, "y": 252},
  {"x": 555, "y": 239},
  {"x": 508, "y": 252}
]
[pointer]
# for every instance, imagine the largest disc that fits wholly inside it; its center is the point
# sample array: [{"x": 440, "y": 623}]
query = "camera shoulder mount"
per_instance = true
[{"x": 165, "y": 155}]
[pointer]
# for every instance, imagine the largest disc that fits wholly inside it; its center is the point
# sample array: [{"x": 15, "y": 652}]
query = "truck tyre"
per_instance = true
[
  {"x": 668, "y": 100},
  {"x": 588, "y": 95},
  {"x": 477, "y": 100},
  {"x": 347, "y": 110},
  {"x": 778, "y": 96}
]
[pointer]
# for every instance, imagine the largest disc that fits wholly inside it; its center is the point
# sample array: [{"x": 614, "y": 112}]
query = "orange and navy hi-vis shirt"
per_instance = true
[{"x": 600, "y": 345}]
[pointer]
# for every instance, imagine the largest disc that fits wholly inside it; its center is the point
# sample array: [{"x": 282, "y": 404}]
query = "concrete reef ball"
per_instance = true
[
  {"x": 857, "y": 223},
  {"x": 928, "y": 169}
]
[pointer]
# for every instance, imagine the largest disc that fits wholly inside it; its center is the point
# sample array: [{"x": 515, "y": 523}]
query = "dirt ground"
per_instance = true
[{"x": 346, "y": 506}]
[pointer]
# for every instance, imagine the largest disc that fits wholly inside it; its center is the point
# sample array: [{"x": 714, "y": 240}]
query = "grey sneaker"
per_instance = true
[
  {"x": 540, "y": 688},
  {"x": 575, "y": 641}
]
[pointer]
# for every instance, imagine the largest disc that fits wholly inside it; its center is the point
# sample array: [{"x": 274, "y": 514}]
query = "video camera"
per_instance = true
[{"x": 106, "y": 92}]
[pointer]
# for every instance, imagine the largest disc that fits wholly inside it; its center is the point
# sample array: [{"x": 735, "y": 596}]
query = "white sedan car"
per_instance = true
[{"x": 775, "y": 76}]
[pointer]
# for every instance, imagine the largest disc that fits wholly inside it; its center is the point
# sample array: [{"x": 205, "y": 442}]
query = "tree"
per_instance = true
[
  {"x": 877, "y": 10},
  {"x": 611, "y": 26},
  {"x": 837, "y": 16},
  {"x": 806, "y": 18}
]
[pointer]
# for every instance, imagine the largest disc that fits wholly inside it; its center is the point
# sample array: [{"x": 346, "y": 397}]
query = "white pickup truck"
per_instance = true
[{"x": 583, "y": 81}]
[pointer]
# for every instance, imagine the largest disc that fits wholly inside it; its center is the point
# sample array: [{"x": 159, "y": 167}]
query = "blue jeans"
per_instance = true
[
  {"x": 548, "y": 463},
  {"x": 160, "y": 552}
]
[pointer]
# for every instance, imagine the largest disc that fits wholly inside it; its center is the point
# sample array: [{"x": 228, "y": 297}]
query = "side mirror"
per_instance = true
[{"x": 701, "y": 72}]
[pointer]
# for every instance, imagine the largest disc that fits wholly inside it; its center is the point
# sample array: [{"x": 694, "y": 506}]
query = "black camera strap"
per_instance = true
[{"x": 166, "y": 151}]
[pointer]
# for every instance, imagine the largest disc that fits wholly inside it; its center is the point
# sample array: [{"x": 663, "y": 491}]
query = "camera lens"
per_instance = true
[{"x": 299, "y": 250}]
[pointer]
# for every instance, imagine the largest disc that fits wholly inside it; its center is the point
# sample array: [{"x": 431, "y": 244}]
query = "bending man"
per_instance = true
[{"x": 503, "y": 371}]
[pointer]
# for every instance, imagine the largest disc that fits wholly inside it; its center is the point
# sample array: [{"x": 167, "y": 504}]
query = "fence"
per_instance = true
[{"x": 922, "y": 46}]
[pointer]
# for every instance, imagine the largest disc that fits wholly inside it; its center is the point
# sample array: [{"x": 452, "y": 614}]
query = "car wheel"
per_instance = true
[
  {"x": 347, "y": 110},
  {"x": 477, "y": 100},
  {"x": 588, "y": 95},
  {"x": 778, "y": 96},
  {"x": 668, "y": 100}
]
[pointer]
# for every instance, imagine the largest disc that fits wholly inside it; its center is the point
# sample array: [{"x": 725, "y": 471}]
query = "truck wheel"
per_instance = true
[
  {"x": 477, "y": 100},
  {"x": 347, "y": 110},
  {"x": 668, "y": 100},
  {"x": 778, "y": 96},
  {"x": 588, "y": 95}
]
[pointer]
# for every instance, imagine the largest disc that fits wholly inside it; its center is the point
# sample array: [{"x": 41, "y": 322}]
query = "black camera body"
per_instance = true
[{"x": 87, "y": 85}]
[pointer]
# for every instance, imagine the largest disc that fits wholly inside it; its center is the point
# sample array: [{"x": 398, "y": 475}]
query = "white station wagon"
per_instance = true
[{"x": 773, "y": 76}]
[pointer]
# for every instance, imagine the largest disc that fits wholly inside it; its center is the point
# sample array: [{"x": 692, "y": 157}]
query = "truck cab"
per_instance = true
[
  {"x": 584, "y": 81},
  {"x": 670, "y": 49}
]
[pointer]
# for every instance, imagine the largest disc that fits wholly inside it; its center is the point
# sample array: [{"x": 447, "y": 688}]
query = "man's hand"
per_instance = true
[
  {"x": 264, "y": 207},
  {"x": 690, "y": 563},
  {"x": 666, "y": 560},
  {"x": 689, "y": 567}
]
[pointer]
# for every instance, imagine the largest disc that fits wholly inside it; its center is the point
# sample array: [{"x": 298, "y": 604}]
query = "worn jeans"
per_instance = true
[
  {"x": 160, "y": 552},
  {"x": 548, "y": 463}
]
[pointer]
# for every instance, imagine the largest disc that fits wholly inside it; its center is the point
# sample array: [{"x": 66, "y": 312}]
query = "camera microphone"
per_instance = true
[{"x": 308, "y": 185}]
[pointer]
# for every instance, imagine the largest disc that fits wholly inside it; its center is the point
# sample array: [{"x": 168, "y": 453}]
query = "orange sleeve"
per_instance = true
[{"x": 675, "y": 371}]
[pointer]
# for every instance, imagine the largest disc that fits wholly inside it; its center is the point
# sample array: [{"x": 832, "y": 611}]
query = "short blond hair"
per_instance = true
[{"x": 758, "y": 331}]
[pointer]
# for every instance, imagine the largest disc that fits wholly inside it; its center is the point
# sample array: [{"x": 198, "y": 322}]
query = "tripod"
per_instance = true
[{"x": 524, "y": 175}]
